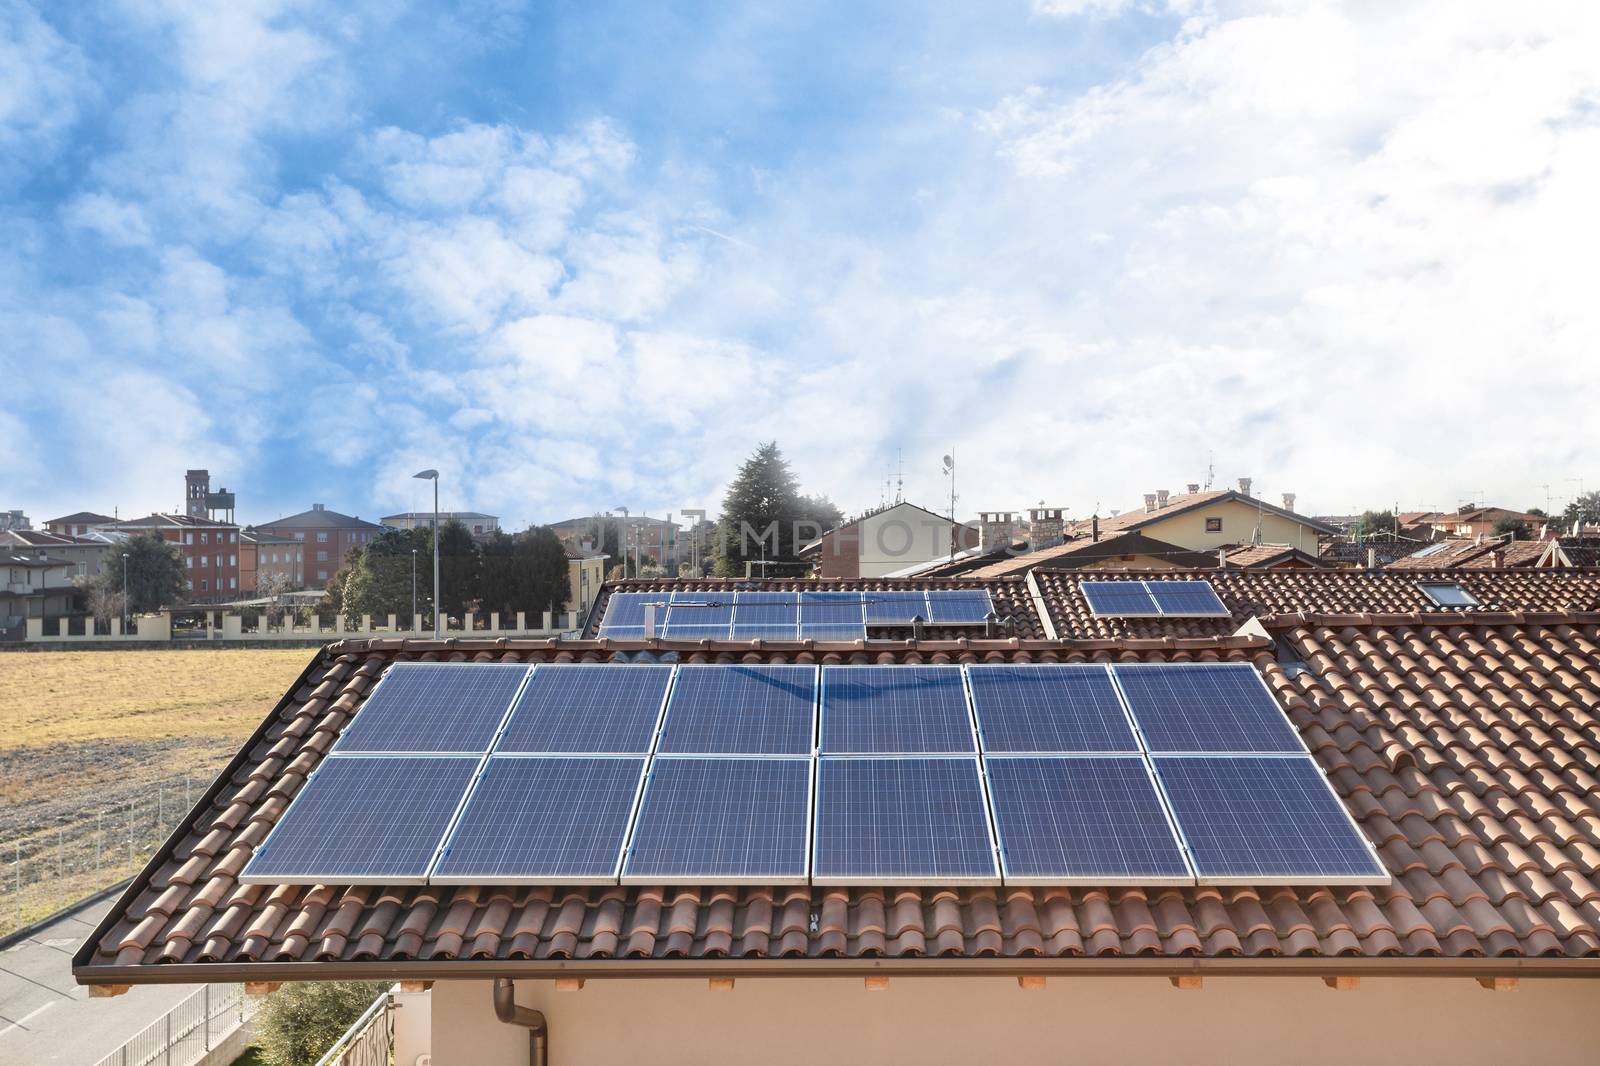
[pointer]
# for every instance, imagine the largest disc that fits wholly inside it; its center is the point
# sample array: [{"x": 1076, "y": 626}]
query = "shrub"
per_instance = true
[{"x": 299, "y": 1022}]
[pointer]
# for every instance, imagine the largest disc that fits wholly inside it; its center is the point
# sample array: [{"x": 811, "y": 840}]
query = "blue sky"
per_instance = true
[{"x": 581, "y": 255}]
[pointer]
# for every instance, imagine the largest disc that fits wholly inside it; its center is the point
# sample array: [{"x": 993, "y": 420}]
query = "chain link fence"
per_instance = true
[{"x": 46, "y": 870}]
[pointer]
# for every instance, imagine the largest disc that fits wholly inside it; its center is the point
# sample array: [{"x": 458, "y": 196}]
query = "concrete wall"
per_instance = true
[
  {"x": 917, "y": 1021},
  {"x": 1188, "y": 530},
  {"x": 904, "y": 536}
]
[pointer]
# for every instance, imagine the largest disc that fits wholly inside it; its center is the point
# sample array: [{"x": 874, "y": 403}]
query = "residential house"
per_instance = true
[
  {"x": 79, "y": 523},
  {"x": 84, "y": 554},
  {"x": 10, "y": 520},
  {"x": 1119, "y": 551},
  {"x": 328, "y": 537},
  {"x": 210, "y": 551},
  {"x": 1205, "y": 521},
  {"x": 653, "y": 538},
  {"x": 1468, "y": 521},
  {"x": 1460, "y": 739},
  {"x": 33, "y": 586},
  {"x": 586, "y": 574},
  {"x": 887, "y": 541},
  {"x": 477, "y": 523},
  {"x": 264, "y": 555},
  {"x": 1491, "y": 553}
]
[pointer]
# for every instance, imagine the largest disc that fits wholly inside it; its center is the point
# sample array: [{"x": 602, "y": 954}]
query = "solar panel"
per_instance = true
[
  {"x": 901, "y": 821},
  {"x": 881, "y": 710},
  {"x": 726, "y": 820},
  {"x": 766, "y": 616},
  {"x": 896, "y": 608},
  {"x": 362, "y": 819},
  {"x": 1250, "y": 819},
  {"x": 434, "y": 707},
  {"x": 587, "y": 708},
  {"x": 741, "y": 710},
  {"x": 1190, "y": 599},
  {"x": 960, "y": 606},
  {"x": 1050, "y": 708},
  {"x": 828, "y": 631},
  {"x": 1112, "y": 599},
  {"x": 625, "y": 610},
  {"x": 1096, "y": 819},
  {"x": 831, "y": 608},
  {"x": 699, "y": 616},
  {"x": 560, "y": 819},
  {"x": 1205, "y": 707}
]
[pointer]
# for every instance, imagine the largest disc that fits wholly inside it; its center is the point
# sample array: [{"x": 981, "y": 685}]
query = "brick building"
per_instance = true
[
  {"x": 210, "y": 551},
  {"x": 328, "y": 537},
  {"x": 263, "y": 554}
]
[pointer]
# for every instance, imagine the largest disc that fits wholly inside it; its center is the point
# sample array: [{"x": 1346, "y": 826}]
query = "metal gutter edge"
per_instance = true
[
  {"x": 1074, "y": 966},
  {"x": 142, "y": 878}
]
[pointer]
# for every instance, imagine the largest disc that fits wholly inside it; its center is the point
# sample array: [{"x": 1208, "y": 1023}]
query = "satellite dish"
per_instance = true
[{"x": 948, "y": 463}]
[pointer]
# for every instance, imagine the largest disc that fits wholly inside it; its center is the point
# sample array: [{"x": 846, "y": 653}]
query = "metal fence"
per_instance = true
[
  {"x": 368, "y": 1042},
  {"x": 51, "y": 868},
  {"x": 187, "y": 1032}
]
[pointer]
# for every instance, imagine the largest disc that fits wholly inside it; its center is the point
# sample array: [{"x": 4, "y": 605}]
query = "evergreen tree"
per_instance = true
[
  {"x": 526, "y": 572},
  {"x": 155, "y": 572},
  {"x": 761, "y": 510},
  {"x": 460, "y": 567},
  {"x": 1584, "y": 508}
]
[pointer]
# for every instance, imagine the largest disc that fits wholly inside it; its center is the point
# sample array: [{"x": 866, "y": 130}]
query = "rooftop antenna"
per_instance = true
[
  {"x": 900, "y": 476},
  {"x": 1211, "y": 471},
  {"x": 950, "y": 471}
]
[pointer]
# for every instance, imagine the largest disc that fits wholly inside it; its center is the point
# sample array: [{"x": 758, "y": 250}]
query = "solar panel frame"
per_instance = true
[
  {"x": 818, "y": 878},
  {"x": 880, "y": 608},
  {"x": 843, "y": 671},
  {"x": 655, "y": 731},
  {"x": 1177, "y": 589},
  {"x": 1011, "y": 877},
  {"x": 702, "y": 617},
  {"x": 436, "y": 877},
  {"x": 1380, "y": 875},
  {"x": 659, "y": 877},
  {"x": 833, "y": 609},
  {"x": 667, "y": 742},
  {"x": 1091, "y": 589},
  {"x": 332, "y": 765},
  {"x": 630, "y": 605},
  {"x": 953, "y": 612},
  {"x": 1294, "y": 743},
  {"x": 972, "y": 670},
  {"x": 345, "y": 746}
]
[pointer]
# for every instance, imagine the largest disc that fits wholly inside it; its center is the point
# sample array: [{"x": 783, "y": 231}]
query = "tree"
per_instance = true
[
  {"x": 526, "y": 572},
  {"x": 377, "y": 580},
  {"x": 299, "y": 1022},
  {"x": 818, "y": 514},
  {"x": 1512, "y": 528},
  {"x": 1372, "y": 522},
  {"x": 760, "y": 513},
  {"x": 155, "y": 572},
  {"x": 460, "y": 567},
  {"x": 1584, "y": 508}
]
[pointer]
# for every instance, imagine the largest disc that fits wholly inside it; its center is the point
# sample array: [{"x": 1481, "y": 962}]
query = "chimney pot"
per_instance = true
[
  {"x": 1045, "y": 526},
  {"x": 1149, "y": 502},
  {"x": 316, "y": 507},
  {"x": 1244, "y": 486},
  {"x": 995, "y": 529},
  {"x": 1193, "y": 487},
  {"x": 1162, "y": 496},
  {"x": 1288, "y": 501}
]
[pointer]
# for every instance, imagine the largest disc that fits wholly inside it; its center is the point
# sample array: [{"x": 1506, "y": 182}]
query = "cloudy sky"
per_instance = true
[{"x": 586, "y": 254}]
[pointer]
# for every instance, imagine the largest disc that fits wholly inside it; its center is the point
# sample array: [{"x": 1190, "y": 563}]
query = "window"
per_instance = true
[
  {"x": 322, "y": 538},
  {"x": 322, "y": 557},
  {"x": 83, "y": 569},
  {"x": 299, "y": 536},
  {"x": 233, "y": 538},
  {"x": 188, "y": 584},
  {"x": 188, "y": 562},
  {"x": 1448, "y": 594},
  {"x": 233, "y": 559},
  {"x": 188, "y": 538},
  {"x": 203, "y": 536},
  {"x": 1213, "y": 525},
  {"x": 233, "y": 582},
  {"x": 203, "y": 586},
  {"x": 322, "y": 575}
]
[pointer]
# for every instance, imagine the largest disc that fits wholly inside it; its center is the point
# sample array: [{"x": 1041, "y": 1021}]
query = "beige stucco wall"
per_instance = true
[
  {"x": 916, "y": 1021},
  {"x": 900, "y": 537},
  {"x": 1239, "y": 520}
]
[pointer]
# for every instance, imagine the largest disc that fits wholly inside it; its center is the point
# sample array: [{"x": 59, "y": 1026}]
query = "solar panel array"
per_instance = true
[
  {"x": 805, "y": 615},
  {"x": 1153, "y": 599},
  {"x": 1132, "y": 773}
]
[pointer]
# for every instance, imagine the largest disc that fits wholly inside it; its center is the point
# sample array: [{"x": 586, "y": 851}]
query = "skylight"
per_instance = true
[{"x": 1448, "y": 594}]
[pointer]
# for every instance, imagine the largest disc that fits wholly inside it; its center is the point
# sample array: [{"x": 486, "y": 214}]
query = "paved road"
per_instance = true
[{"x": 48, "y": 1020}]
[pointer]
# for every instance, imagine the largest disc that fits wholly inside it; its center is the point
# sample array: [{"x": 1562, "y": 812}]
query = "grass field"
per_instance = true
[{"x": 98, "y": 739}]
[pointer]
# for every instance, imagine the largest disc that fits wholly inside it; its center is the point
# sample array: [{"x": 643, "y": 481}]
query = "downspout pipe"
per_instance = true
[{"x": 506, "y": 1009}]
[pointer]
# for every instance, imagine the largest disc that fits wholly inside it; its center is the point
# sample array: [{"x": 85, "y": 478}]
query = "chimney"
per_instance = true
[
  {"x": 1095, "y": 526},
  {"x": 1288, "y": 501},
  {"x": 1161, "y": 498},
  {"x": 1149, "y": 502},
  {"x": 1372, "y": 558},
  {"x": 996, "y": 529},
  {"x": 1500, "y": 558},
  {"x": 1193, "y": 487},
  {"x": 316, "y": 507},
  {"x": 1044, "y": 526},
  {"x": 1244, "y": 486}
]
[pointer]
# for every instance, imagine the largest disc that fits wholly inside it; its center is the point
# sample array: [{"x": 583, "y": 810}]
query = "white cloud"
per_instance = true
[{"x": 43, "y": 82}]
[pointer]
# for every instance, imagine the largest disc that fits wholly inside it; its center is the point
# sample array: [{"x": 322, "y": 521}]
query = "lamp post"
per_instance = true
[
  {"x": 124, "y": 593},
  {"x": 413, "y": 586},
  {"x": 433, "y": 476},
  {"x": 622, "y": 543}
]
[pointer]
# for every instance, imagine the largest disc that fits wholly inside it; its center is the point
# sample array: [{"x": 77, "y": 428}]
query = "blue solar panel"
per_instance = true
[
  {"x": 560, "y": 819},
  {"x": 1249, "y": 819},
  {"x": 1049, "y": 708},
  {"x": 1096, "y": 819},
  {"x": 831, "y": 608},
  {"x": 723, "y": 819},
  {"x": 827, "y": 631},
  {"x": 960, "y": 606},
  {"x": 883, "y": 821},
  {"x": 1193, "y": 599},
  {"x": 1205, "y": 707},
  {"x": 693, "y": 632},
  {"x": 885, "y": 710},
  {"x": 434, "y": 707},
  {"x": 626, "y": 610},
  {"x": 766, "y": 616},
  {"x": 364, "y": 819},
  {"x": 896, "y": 608},
  {"x": 587, "y": 708},
  {"x": 699, "y": 616},
  {"x": 741, "y": 710},
  {"x": 1119, "y": 598}
]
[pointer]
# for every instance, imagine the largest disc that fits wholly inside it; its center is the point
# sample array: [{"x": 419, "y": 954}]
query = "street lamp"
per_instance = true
[
  {"x": 413, "y": 587},
  {"x": 124, "y": 593},
  {"x": 433, "y": 476},
  {"x": 622, "y": 543}
]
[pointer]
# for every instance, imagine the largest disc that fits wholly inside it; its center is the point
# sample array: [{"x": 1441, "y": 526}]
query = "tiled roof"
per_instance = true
[
  {"x": 1013, "y": 601},
  {"x": 320, "y": 518},
  {"x": 1086, "y": 550},
  {"x": 80, "y": 517},
  {"x": 1464, "y": 744},
  {"x": 1471, "y": 553},
  {"x": 1248, "y": 555},
  {"x": 1139, "y": 517}
]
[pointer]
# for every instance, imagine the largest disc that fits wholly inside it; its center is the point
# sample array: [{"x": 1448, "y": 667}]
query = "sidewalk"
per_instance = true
[{"x": 46, "y": 1019}]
